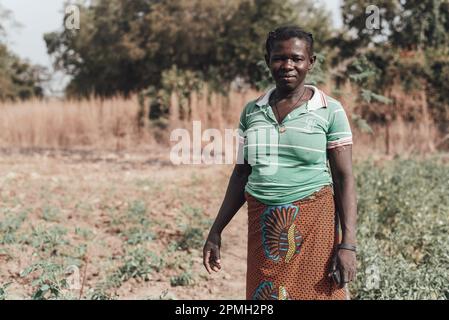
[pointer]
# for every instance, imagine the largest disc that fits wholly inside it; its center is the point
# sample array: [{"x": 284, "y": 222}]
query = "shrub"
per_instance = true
[{"x": 403, "y": 227}]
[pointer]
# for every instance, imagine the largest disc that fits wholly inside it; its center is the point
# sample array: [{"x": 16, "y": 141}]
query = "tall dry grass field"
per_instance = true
[
  {"x": 113, "y": 124},
  {"x": 70, "y": 124}
]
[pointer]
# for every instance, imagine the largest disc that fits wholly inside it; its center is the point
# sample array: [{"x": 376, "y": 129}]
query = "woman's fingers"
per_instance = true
[
  {"x": 333, "y": 265},
  {"x": 347, "y": 266},
  {"x": 211, "y": 258},
  {"x": 206, "y": 256},
  {"x": 215, "y": 259},
  {"x": 348, "y": 275},
  {"x": 345, "y": 277},
  {"x": 351, "y": 275}
]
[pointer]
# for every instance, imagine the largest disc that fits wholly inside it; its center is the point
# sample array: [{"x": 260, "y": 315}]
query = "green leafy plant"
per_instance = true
[
  {"x": 403, "y": 230},
  {"x": 50, "y": 281},
  {"x": 184, "y": 279},
  {"x": 47, "y": 240},
  {"x": 86, "y": 234},
  {"x": 191, "y": 238},
  {"x": 139, "y": 263},
  {"x": 50, "y": 214},
  {"x": 136, "y": 235},
  {"x": 10, "y": 225},
  {"x": 3, "y": 293}
]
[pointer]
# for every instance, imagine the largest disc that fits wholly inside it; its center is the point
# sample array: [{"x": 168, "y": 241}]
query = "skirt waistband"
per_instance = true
[{"x": 323, "y": 191}]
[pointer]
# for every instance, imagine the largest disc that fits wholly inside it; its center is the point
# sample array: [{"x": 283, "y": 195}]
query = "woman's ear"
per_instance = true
[
  {"x": 312, "y": 62},
  {"x": 267, "y": 59}
]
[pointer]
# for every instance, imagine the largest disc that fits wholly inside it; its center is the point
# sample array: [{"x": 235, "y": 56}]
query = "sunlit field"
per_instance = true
[
  {"x": 93, "y": 208},
  {"x": 95, "y": 225},
  {"x": 119, "y": 130}
]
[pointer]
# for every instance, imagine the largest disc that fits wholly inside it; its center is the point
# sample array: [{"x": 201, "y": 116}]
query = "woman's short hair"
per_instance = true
[{"x": 286, "y": 33}]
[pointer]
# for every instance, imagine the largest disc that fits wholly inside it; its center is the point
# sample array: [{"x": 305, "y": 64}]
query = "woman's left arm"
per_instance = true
[{"x": 340, "y": 160}]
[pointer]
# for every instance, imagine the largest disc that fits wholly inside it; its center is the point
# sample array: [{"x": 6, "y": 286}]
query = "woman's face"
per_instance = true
[{"x": 289, "y": 62}]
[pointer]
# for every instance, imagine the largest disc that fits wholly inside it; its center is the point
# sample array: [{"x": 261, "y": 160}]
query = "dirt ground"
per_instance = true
[{"x": 61, "y": 208}]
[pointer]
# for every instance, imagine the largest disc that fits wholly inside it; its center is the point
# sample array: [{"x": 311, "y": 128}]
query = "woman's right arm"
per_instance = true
[{"x": 233, "y": 201}]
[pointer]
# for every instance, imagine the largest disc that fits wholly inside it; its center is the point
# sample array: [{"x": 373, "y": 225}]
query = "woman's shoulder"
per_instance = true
[
  {"x": 332, "y": 103},
  {"x": 250, "y": 106},
  {"x": 259, "y": 102}
]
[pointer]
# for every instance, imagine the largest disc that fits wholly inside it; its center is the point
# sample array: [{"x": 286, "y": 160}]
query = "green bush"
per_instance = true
[
  {"x": 184, "y": 279},
  {"x": 139, "y": 263},
  {"x": 403, "y": 227},
  {"x": 191, "y": 238}
]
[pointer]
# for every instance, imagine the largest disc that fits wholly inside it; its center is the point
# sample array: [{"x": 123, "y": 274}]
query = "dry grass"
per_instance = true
[
  {"x": 112, "y": 124},
  {"x": 67, "y": 124}
]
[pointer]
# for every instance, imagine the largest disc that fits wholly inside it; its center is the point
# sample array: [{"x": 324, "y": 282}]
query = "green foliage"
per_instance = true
[
  {"x": 184, "y": 279},
  {"x": 265, "y": 76},
  {"x": 369, "y": 96},
  {"x": 139, "y": 264},
  {"x": 136, "y": 235},
  {"x": 192, "y": 231},
  {"x": 50, "y": 213},
  {"x": 134, "y": 225},
  {"x": 47, "y": 239},
  {"x": 403, "y": 230},
  {"x": 99, "y": 294},
  {"x": 317, "y": 76},
  {"x": 3, "y": 293},
  {"x": 361, "y": 123},
  {"x": 19, "y": 79},
  {"x": 50, "y": 282},
  {"x": 128, "y": 46},
  {"x": 407, "y": 25},
  {"x": 408, "y": 51},
  {"x": 423, "y": 24},
  {"x": 9, "y": 226},
  {"x": 191, "y": 238},
  {"x": 364, "y": 72},
  {"x": 438, "y": 86},
  {"x": 86, "y": 234},
  {"x": 137, "y": 211}
]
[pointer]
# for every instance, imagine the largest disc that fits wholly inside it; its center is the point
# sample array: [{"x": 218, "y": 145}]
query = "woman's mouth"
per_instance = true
[{"x": 287, "y": 77}]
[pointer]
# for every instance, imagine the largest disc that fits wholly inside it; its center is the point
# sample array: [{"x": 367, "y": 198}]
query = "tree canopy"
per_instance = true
[
  {"x": 124, "y": 46},
  {"x": 18, "y": 79}
]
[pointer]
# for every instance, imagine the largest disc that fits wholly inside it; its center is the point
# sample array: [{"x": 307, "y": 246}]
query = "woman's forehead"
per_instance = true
[{"x": 291, "y": 45}]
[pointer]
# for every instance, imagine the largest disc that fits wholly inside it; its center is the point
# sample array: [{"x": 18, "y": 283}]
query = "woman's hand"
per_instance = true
[
  {"x": 211, "y": 253},
  {"x": 346, "y": 263}
]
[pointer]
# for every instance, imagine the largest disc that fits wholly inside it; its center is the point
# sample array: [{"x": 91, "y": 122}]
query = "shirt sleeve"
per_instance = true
[
  {"x": 242, "y": 122},
  {"x": 242, "y": 127},
  {"x": 339, "y": 132}
]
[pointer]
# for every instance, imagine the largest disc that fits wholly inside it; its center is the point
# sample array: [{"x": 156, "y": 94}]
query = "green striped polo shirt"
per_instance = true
[{"x": 289, "y": 160}]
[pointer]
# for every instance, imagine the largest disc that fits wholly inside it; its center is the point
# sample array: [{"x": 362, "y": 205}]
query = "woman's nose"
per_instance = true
[{"x": 287, "y": 64}]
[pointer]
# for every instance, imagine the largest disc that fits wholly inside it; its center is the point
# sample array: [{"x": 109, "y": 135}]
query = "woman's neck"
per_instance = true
[{"x": 290, "y": 94}]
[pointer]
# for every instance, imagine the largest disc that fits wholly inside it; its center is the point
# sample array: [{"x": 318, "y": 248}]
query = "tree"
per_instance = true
[
  {"x": 408, "y": 51},
  {"x": 18, "y": 79},
  {"x": 126, "y": 46}
]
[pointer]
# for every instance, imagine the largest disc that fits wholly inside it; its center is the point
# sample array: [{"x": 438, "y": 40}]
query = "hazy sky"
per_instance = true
[
  {"x": 36, "y": 18},
  {"x": 39, "y": 17}
]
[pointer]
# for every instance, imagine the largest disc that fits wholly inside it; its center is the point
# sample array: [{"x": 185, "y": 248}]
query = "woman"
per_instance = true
[{"x": 295, "y": 203}]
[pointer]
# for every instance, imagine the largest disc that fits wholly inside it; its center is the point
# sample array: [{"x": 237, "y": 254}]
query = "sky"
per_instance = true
[
  {"x": 39, "y": 17},
  {"x": 35, "y": 19}
]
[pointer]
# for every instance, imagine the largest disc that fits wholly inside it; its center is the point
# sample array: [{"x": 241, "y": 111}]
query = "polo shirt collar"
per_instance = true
[{"x": 318, "y": 100}]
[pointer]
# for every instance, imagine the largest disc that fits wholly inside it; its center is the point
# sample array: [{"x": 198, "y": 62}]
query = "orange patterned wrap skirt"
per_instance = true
[{"x": 290, "y": 249}]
